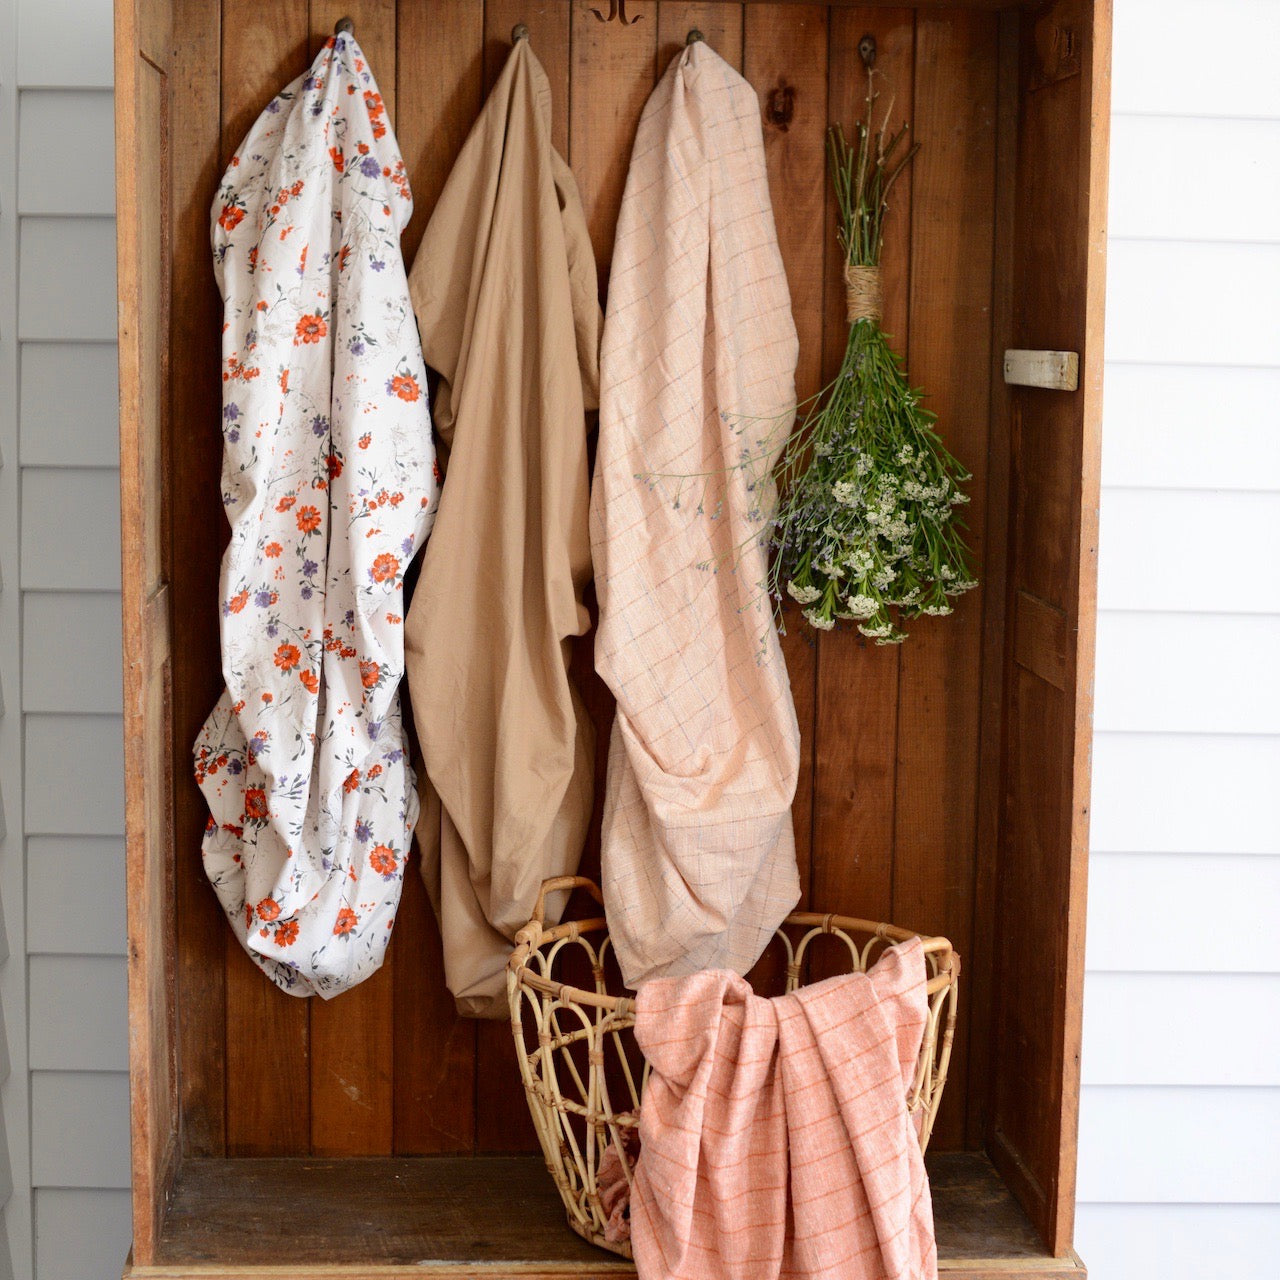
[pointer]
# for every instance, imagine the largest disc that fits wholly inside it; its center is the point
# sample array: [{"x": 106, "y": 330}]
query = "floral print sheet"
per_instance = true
[{"x": 330, "y": 486}]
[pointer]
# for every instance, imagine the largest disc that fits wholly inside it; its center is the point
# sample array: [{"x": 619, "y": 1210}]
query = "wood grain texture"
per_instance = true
[
  {"x": 352, "y": 1039},
  {"x": 144, "y": 262},
  {"x": 195, "y": 545},
  {"x": 440, "y": 71},
  {"x": 949, "y": 354},
  {"x": 1058, "y": 263},
  {"x": 395, "y": 1218},
  {"x": 614, "y": 70},
  {"x": 267, "y": 1103},
  {"x": 785, "y": 58},
  {"x": 439, "y": 76},
  {"x": 857, "y": 681}
]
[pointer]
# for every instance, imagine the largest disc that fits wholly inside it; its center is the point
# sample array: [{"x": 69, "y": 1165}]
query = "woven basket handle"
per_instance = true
[{"x": 555, "y": 884}]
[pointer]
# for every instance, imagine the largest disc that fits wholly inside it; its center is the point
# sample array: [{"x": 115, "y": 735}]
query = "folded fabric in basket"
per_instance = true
[{"x": 775, "y": 1136}]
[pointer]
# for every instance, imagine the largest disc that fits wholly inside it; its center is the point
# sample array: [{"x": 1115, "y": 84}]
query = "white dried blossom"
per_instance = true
[
  {"x": 860, "y": 606},
  {"x": 802, "y": 594},
  {"x": 845, "y": 492},
  {"x": 817, "y": 621},
  {"x": 936, "y": 610},
  {"x": 879, "y": 631}
]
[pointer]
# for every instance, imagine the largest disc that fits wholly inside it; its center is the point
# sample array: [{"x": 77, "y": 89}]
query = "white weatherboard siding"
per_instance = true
[
  {"x": 63, "y": 571},
  {"x": 1178, "y": 1173},
  {"x": 1179, "y": 1177}
]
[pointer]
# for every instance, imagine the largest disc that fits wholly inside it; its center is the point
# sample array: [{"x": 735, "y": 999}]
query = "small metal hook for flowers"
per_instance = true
[{"x": 618, "y": 12}]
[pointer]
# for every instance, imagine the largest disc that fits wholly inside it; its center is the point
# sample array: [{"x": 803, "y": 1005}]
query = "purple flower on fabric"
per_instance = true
[
  {"x": 262, "y": 599},
  {"x": 319, "y": 425},
  {"x": 234, "y": 767},
  {"x": 251, "y": 338},
  {"x": 364, "y": 831},
  {"x": 374, "y": 730},
  {"x": 231, "y": 411},
  {"x": 273, "y": 631},
  {"x": 309, "y": 567},
  {"x": 356, "y": 347},
  {"x": 370, "y": 167},
  {"x": 349, "y": 617},
  {"x": 234, "y": 435},
  {"x": 305, "y": 592},
  {"x": 377, "y": 264},
  {"x": 274, "y": 105},
  {"x": 394, "y": 756},
  {"x": 406, "y": 547},
  {"x": 258, "y": 743}
]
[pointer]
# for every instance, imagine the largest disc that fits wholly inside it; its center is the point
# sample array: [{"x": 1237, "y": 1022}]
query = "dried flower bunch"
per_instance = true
[{"x": 867, "y": 526}]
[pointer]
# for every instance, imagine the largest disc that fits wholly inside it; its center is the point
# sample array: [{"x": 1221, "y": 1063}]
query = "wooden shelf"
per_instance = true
[{"x": 488, "y": 1216}]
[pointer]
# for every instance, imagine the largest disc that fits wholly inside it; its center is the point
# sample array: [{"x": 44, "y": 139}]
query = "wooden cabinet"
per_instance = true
[{"x": 944, "y": 785}]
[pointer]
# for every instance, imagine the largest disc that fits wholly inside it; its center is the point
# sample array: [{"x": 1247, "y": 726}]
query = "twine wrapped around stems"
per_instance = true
[{"x": 863, "y": 292}]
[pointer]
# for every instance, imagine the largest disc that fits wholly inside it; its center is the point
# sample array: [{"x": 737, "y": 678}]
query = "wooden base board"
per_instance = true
[{"x": 488, "y": 1218}]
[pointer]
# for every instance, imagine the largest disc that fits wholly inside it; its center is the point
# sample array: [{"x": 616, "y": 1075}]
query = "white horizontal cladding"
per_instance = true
[
  {"x": 1185, "y": 793},
  {"x": 70, "y": 529},
  {"x": 1198, "y": 427},
  {"x": 1189, "y": 551},
  {"x": 1182, "y": 912},
  {"x": 1181, "y": 1028},
  {"x": 80, "y": 1129},
  {"x": 66, "y": 152},
  {"x": 69, "y": 406},
  {"x": 79, "y": 1019},
  {"x": 81, "y": 1235},
  {"x": 1188, "y": 672},
  {"x": 1163, "y": 59},
  {"x": 1179, "y": 1145},
  {"x": 75, "y": 895},
  {"x": 65, "y": 42},
  {"x": 1179, "y": 1241},
  {"x": 1231, "y": 192},
  {"x": 1176, "y": 302},
  {"x": 74, "y": 775},
  {"x": 67, "y": 279},
  {"x": 71, "y": 651}
]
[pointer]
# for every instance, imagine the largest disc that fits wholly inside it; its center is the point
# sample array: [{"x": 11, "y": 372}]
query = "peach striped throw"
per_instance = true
[
  {"x": 775, "y": 1138},
  {"x": 697, "y": 375}
]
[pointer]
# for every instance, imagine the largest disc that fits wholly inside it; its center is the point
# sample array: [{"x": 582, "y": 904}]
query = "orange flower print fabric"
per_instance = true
[{"x": 330, "y": 487}]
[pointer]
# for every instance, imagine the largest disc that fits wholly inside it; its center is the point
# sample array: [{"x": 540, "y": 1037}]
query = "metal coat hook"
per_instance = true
[
  {"x": 519, "y": 32},
  {"x": 694, "y": 37},
  {"x": 618, "y": 11},
  {"x": 867, "y": 51},
  {"x": 344, "y": 25}
]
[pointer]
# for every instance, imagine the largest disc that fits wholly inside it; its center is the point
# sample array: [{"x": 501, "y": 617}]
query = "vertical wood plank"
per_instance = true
[
  {"x": 439, "y": 91},
  {"x": 785, "y": 57},
  {"x": 720, "y": 23},
  {"x": 548, "y": 23},
  {"x": 979, "y": 965},
  {"x": 195, "y": 542},
  {"x": 953, "y": 217},
  {"x": 439, "y": 67},
  {"x": 857, "y": 682},
  {"x": 613, "y": 73},
  {"x": 352, "y": 1049},
  {"x": 267, "y": 1034}
]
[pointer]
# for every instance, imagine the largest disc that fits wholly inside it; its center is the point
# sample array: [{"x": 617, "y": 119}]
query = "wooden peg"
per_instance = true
[{"x": 1052, "y": 370}]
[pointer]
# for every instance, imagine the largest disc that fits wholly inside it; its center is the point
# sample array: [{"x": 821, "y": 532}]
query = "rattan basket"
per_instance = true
[{"x": 583, "y": 1073}]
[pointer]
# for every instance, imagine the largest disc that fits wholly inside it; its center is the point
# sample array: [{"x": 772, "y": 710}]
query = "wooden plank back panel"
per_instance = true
[
  {"x": 195, "y": 543},
  {"x": 857, "y": 681},
  {"x": 939, "y": 697},
  {"x": 352, "y": 1048},
  {"x": 885, "y": 812},
  {"x": 785, "y": 52},
  {"x": 266, "y": 1032},
  {"x": 144, "y": 264},
  {"x": 439, "y": 69}
]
